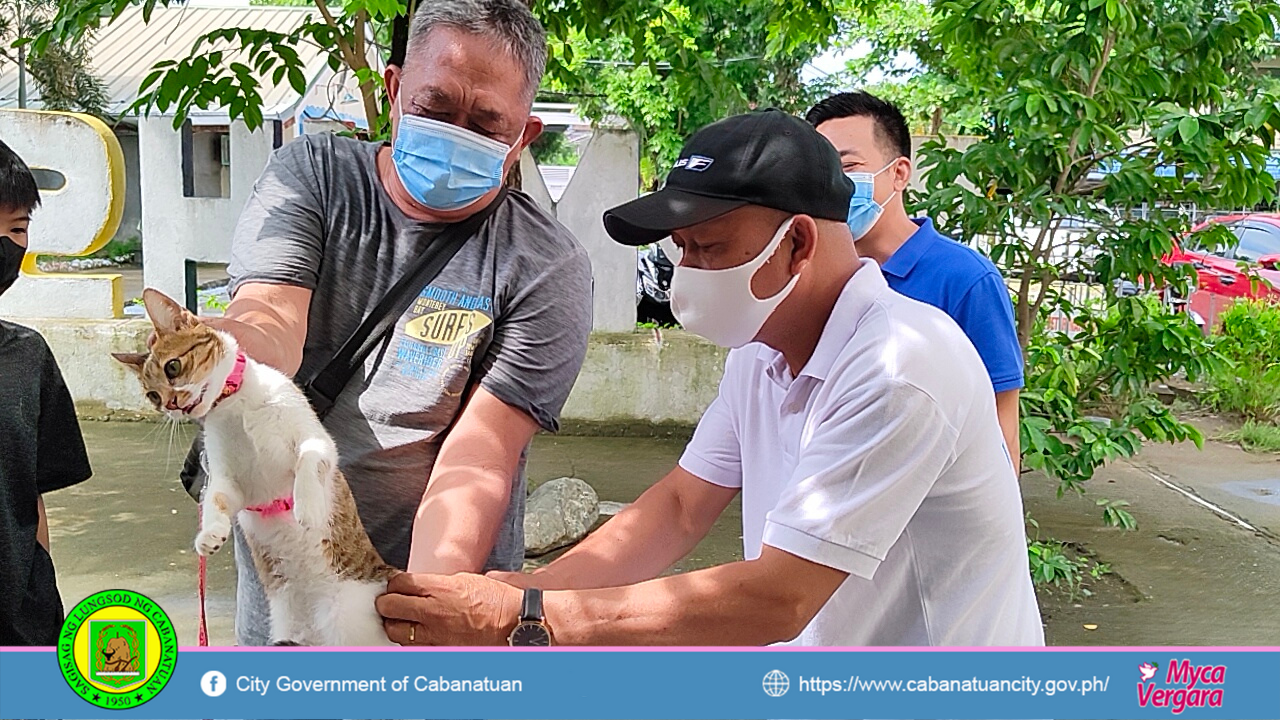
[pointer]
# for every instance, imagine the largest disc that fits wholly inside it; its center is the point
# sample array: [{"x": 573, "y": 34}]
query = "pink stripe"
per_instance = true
[
  {"x": 1101, "y": 648},
  {"x": 748, "y": 649},
  {"x": 279, "y": 506}
]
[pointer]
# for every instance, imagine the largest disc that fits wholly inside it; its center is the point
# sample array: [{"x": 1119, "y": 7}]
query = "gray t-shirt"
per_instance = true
[{"x": 511, "y": 311}]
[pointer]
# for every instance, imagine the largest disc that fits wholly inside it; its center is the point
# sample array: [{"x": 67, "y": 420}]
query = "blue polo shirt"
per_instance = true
[{"x": 964, "y": 284}]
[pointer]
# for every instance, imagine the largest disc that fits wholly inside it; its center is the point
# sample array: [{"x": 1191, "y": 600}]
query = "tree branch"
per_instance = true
[
  {"x": 1050, "y": 275},
  {"x": 368, "y": 89},
  {"x": 1025, "y": 316},
  {"x": 1074, "y": 145},
  {"x": 355, "y": 59},
  {"x": 1096, "y": 158},
  {"x": 343, "y": 46},
  {"x": 1108, "y": 45}
]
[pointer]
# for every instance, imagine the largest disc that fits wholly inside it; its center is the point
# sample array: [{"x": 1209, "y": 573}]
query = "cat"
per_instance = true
[{"x": 274, "y": 469}]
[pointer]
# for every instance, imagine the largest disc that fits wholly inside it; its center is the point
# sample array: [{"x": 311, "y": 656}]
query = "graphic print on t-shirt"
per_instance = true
[{"x": 441, "y": 333}]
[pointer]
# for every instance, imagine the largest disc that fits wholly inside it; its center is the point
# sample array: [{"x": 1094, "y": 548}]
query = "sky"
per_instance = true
[{"x": 833, "y": 61}]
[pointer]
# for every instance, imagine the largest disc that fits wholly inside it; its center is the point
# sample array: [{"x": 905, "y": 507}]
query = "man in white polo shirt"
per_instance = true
[{"x": 879, "y": 504}]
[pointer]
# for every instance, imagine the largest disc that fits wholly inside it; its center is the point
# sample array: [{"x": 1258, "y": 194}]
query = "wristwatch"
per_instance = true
[{"x": 532, "y": 631}]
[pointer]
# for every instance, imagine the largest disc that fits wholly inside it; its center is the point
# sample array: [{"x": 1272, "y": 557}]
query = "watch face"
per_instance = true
[{"x": 530, "y": 635}]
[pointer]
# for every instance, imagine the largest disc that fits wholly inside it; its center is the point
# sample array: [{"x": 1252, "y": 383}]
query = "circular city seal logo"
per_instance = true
[{"x": 117, "y": 649}]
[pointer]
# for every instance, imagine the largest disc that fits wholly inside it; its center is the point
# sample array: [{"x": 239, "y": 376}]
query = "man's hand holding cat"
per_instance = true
[{"x": 462, "y": 609}]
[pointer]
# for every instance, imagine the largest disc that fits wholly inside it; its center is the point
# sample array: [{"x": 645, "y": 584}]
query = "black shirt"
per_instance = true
[{"x": 41, "y": 450}]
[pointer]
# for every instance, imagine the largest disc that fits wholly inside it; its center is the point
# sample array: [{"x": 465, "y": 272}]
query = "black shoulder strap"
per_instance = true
[{"x": 323, "y": 387}]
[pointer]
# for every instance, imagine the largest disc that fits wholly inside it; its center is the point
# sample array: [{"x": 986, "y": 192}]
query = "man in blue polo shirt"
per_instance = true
[{"x": 875, "y": 151}]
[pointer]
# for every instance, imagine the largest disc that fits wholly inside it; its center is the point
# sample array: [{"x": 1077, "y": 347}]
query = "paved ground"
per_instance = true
[{"x": 1188, "y": 575}]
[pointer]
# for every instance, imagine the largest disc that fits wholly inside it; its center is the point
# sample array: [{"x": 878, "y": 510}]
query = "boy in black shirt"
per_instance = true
[{"x": 41, "y": 449}]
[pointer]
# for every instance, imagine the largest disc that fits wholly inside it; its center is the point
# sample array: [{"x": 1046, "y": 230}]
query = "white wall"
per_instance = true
[
  {"x": 76, "y": 219},
  {"x": 608, "y": 174},
  {"x": 177, "y": 228}
]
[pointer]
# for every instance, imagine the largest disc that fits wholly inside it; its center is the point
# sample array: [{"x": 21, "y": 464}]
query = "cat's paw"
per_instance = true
[
  {"x": 213, "y": 536},
  {"x": 209, "y": 542},
  {"x": 312, "y": 515}
]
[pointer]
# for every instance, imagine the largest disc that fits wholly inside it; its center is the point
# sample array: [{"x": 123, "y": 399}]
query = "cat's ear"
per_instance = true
[
  {"x": 133, "y": 361},
  {"x": 167, "y": 315}
]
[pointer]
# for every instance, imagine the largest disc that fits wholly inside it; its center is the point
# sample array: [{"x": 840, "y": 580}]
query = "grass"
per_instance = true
[
  {"x": 129, "y": 247},
  {"x": 1254, "y": 436}
]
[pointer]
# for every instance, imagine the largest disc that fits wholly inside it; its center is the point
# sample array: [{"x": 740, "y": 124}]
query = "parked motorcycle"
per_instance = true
[{"x": 653, "y": 286}]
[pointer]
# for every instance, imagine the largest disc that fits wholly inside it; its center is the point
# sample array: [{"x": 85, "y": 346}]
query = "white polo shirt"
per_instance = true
[{"x": 883, "y": 459}]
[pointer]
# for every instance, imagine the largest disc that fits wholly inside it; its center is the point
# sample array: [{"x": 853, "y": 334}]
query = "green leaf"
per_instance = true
[
  {"x": 150, "y": 79},
  {"x": 297, "y": 80},
  {"x": 1188, "y": 128}
]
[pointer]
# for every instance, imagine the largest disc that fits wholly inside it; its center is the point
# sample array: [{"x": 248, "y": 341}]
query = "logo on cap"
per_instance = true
[{"x": 694, "y": 163}]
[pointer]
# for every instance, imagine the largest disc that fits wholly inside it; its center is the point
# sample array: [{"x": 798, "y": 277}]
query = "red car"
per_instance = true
[{"x": 1249, "y": 269}]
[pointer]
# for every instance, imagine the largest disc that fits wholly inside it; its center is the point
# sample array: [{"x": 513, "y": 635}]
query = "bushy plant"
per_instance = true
[
  {"x": 1249, "y": 339},
  {"x": 1089, "y": 396}
]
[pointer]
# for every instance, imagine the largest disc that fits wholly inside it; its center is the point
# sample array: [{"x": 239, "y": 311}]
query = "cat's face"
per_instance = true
[{"x": 176, "y": 374}]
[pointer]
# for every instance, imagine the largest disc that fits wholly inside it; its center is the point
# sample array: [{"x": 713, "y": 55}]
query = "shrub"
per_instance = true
[{"x": 1249, "y": 339}]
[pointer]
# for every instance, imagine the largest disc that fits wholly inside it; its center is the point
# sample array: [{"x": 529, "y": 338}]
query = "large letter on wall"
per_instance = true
[{"x": 75, "y": 219}]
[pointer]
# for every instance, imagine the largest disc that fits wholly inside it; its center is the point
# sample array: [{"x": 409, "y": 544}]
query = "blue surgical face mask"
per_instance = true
[
  {"x": 864, "y": 211},
  {"x": 445, "y": 167}
]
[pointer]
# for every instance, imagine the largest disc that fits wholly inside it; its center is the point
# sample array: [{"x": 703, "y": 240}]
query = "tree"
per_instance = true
[
  {"x": 693, "y": 67},
  {"x": 1100, "y": 119},
  {"x": 221, "y": 68},
  {"x": 898, "y": 45},
  {"x": 62, "y": 71}
]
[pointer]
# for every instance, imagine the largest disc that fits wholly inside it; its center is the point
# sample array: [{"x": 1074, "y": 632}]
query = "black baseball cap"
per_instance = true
[{"x": 767, "y": 158}]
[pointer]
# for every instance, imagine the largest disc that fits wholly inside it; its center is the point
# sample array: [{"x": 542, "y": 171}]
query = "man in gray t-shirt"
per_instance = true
[{"x": 432, "y": 435}]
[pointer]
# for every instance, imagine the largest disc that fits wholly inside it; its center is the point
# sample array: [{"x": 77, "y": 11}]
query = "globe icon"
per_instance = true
[{"x": 776, "y": 683}]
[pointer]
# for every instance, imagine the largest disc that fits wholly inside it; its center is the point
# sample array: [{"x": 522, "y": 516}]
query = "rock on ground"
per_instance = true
[{"x": 559, "y": 513}]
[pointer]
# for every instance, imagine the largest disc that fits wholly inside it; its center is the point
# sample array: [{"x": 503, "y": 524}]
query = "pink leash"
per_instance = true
[
  {"x": 203, "y": 634},
  {"x": 234, "y": 380}
]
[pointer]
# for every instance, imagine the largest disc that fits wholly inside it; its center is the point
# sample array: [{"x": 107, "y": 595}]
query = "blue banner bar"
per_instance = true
[{"x": 567, "y": 684}]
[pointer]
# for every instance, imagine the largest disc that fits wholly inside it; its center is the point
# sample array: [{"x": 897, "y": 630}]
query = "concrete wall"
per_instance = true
[
  {"x": 75, "y": 219},
  {"x": 176, "y": 228},
  {"x": 627, "y": 379},
  {"x": 637, "y": 378},
  {"x": 959, "y": 142},
  {"x": 608, "y": 174},
  {"x": 83, "y": 349}
]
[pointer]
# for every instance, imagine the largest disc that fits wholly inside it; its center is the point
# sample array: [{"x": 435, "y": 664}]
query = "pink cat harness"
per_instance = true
[
  {"x": 229, "y": 388},
  {"x": 234, "y": 380},
  {"x": 279, "y": 506}
]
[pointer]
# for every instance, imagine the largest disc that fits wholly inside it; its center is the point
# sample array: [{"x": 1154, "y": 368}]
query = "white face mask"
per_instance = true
[{"x": 719, "y": 304}]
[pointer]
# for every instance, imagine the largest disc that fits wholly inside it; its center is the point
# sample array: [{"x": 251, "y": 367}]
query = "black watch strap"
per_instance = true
[{"x": 531, "y": 609}]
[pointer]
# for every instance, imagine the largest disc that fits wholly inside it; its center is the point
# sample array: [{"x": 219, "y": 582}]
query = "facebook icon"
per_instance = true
[{"x": 213, "y": 683}]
